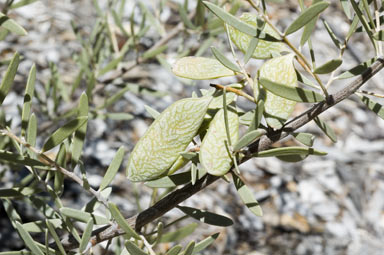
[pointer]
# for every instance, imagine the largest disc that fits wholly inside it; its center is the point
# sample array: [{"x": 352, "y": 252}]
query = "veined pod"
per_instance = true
[
  {"x": 168, "y": 135},
  {"x": 264, "y": 49},
  {"x": 281, "y": 70},
  {"x": 213, "y": 155}
]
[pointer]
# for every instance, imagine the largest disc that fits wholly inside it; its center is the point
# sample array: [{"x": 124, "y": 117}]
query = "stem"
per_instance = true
[{"x": 173, "y": 199}]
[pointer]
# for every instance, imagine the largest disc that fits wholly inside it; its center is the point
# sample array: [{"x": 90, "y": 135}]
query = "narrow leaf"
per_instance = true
[
  {"x": 379, "y": 35},
  {"x": 19, "y": 159},
  {"x": 248, "y": 138},
  {"x": 246, "y": 196},
  {"x": 292, "y": 158},
  {"x": 328, "y": 67},
  {"x": 206, "y": 217},
  {"x": 170, "y": 181},
  {"x": 83, "y": 216},
  {"x": 113, "y": 168},
  {"x": 306, "y": 16},
  {"x": 53, "y": 233},
  {"x": 326, "y": 129},
  {"x": 86, "y": 236},
  {"x": 32, "y": 130},
  {"x": 133, "y": 249},
  {"x": 63, "y": 133},
  {"x": 29, "y": 242},
  {"x": 78, "y": 140},
  {"x": 373, "y": 106},
  {"x": 9, "y": 76},
  {"x": 291, "y": 93},
  {"x": 305, "y": 138},
  {"x": 357, "y": 70},
  {"x": 179, "y": 234},
  {"x": 189, "y": 249},
  {"x": 224, "y": 60},
  {"x": 255, "y": 122},
  {"x": 122, "y": 222},
  {"x": 200, "y": 68},
  {"x": 11, "y": 25},
  {"x": 205, "y": 243},
  {"x": 25, "y": 114},
  {"x": 175, "y": 250},
  {"x": 293, "y": 150},
  {"x": 152, "y": 111},
  {"x": 251, "y": 49},
  {"x": 230, "y": 19},
  {"x": 333, "y": 36}
]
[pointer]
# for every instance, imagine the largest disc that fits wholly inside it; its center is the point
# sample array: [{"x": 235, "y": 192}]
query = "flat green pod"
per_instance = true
[
  {"x": 264, "y": 49},
  {"x": 213, "y": 155},
  {"x": 168, "y": 135},
  {"x": 200, "y": 68},
  {"x": 280, "y": 70}
]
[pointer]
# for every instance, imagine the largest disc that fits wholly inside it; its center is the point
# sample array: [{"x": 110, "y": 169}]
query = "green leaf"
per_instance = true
[
  {"x": 328, "y": 67},
  {"x": 308, "y": 29},
  {"x": 230, "y": 19},
  {"x": 334, "y": 38},
  {"x": 22, "y": 3},
  {"x": 170, "y": 181},
  {"x": 292, "y": 158},
  {"x": 262, "y": 49},
  {"x": 53, "y": 233},
  {"x": 119, "y": 116},
  {"x": 214, "y": 156},
  {"x": 19, "y": 192},
  {"x": 86, "y": 236},
  {"x": 78, "y": 139},
  {"x": 305, "y": 138},
  {"x": 9, "y": 76},
  {"x": 184, "y": 17},
  {"x": 373, "y": 106},
  {"x": 32, "y": 130},
  {"x": 18, "y": 159},
  {"x": 133, "y": 249},
  {"x": 179, "y": 234},
  {"x": 189, "y": 249},
  {"x": 326, "y": 129},
  {"x": 205, "y": 243},
  {"x": 154, "y": 52},
  {"x": 306, "y": 16},
  {"x": 113, "y": 168},
  {"x": 255, "y": 122},
  {"x": 224, "y": 60},
  {"x": 357, "y": 70},
  {"x": 39, "y": 226},
  {"x": 346, "y": 9},
  {"x": 29, "y": 242},
  {"x": 11, "y": 25},
  {"x": 152, "y": 111},
  {"x": 168, "y": 135},
  {"x": 200, "y": 68},
  {"x": 22, "y": 252},
  {"x": 113, "y": 98},
  {"x": 246, "y": 196},
  {"x": 206, "y": 217},
  {"x": 174, "y": 250},
  {"x": 63, "y": 133},
  {"x": 122, "y": 222},
  {"x": 25, "y": 114},
  {"x": 293, "y": 150},
  {"x": 248, "y": 138},
  {"x": 83, "y": 216},
  {"x": 278, "y": 70},
  {"x": 291, "y": 93},
  {"x": 251, "y": 49}
]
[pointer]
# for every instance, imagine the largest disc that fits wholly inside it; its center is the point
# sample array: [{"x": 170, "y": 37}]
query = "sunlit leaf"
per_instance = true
[
  {"x": 204, "y": 243},
  {"x": 11, "y": 25},
  {"x": 305, "y": 138},
  {"x": 373, "y": 106},
  {"x": 224, "y": 60},
  {"x": 200, "y": 68},
  {"x": 168, "y": 135},
  {"x": 326, "y": 129},
  {"x": 248, "y": 138},
  {"x": 63, "y": 133},
  {"x": 9, "y": 76},
  {"x": 357, "y": 70},
  {"x": 306, "y": 16},
  {"x": 293, "y": 150},
  {"x": 86, "y": 236},
  {"x": 83, "y": 216},
  {"x": 133, "y": 248},
  {"x": 246, "y": 196},
  {"x": 113, "y": 168},
  {"x": 179, "y": 234},
  {"x": 328, "y": 67},
  {"x": 121, "y": 221},
  {"x": 29, "y": 242},
  {"x": 28, "y": 99}
]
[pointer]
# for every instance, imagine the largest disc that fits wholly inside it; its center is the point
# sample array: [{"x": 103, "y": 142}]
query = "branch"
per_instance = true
[{"x": 173, "y": 199}]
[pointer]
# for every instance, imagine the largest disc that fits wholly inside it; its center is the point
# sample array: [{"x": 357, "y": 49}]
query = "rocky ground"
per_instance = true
[{"x": 322, "y": 205}]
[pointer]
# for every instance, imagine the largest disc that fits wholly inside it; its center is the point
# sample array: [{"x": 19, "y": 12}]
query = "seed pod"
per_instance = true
[
  {"x": 264, "y": 49},
  {"x": 168, "y": 135},
  {"x": 213, "y": 155},
  {"x": 280, "y": 70}
]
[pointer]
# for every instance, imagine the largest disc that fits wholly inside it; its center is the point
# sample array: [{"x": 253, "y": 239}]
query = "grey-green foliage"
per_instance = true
[{"x": 178, "y": 130}]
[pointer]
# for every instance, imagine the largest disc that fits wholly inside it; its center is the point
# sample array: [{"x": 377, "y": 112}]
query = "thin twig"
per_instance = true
[
  {"x": 173, "y": 199},
  {"x": 236, "y": 91}
]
